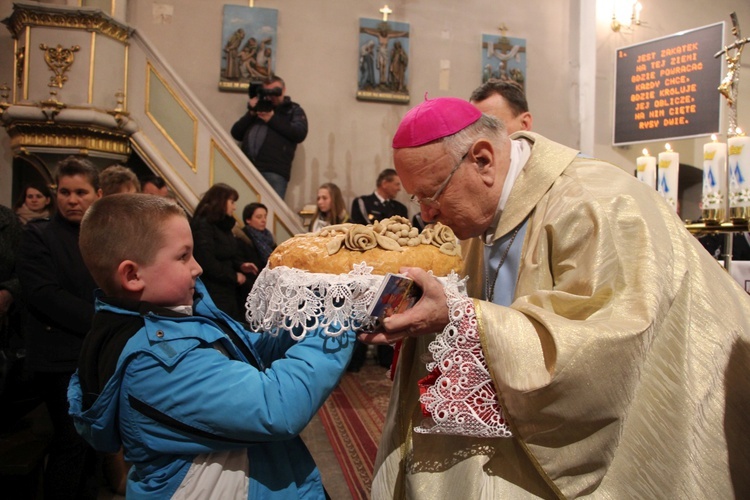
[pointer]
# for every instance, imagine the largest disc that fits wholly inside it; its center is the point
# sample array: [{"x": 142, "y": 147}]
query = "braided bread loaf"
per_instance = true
[{"x": 386, "y": 246}]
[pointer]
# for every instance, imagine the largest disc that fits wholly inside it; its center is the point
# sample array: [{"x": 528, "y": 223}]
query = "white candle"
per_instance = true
[
  {"x": 645, "y": 169},
  {"x": 669, "y": 173},
  {"x": 739, "y": 170},
  {"x": 714, "y": 179}
]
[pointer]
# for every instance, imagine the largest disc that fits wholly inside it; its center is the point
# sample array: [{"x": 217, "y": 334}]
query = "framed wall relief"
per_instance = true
[
  {"x": 504, "y": 58},
  {"x": 248, "y": 46},
  {"x": 383, "y": 69}
]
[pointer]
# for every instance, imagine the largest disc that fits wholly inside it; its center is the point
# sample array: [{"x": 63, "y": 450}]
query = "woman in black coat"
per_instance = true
[{"x": 217, "y": 250}]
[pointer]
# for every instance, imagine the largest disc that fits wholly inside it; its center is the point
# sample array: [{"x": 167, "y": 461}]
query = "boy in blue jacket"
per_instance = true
[{"x": 202, "y": 407}]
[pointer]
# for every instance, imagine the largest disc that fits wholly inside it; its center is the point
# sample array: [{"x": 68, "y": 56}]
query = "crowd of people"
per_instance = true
[
  {"x": 47, "y": 296},
  {"x": 597, "y": 348}
]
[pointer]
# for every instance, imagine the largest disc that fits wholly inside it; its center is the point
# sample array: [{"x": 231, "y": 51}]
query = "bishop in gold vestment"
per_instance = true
[{"x": 622, "y": 364}]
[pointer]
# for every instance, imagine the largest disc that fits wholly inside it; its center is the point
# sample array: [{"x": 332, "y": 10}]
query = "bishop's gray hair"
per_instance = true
[{"x": 487, "y": 127}]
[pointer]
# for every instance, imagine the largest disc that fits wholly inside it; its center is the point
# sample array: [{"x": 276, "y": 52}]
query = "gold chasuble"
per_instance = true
[{"x": 622, "y": 365}]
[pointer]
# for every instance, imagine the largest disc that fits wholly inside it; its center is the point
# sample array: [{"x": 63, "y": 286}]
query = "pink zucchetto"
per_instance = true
[{"x": 434, "y": 119}]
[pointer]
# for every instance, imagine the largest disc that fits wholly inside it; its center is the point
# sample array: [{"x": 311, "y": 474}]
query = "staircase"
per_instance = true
[{"x": 87, "y": 84}]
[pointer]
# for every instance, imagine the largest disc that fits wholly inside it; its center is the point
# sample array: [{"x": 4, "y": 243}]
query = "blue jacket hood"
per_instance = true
[{"x": 94, "y": 390}]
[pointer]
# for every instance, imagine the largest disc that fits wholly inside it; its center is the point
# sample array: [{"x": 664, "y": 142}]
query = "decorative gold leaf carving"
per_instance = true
[
  {"x": 20, "y": 58},
  {"x": 30, "y": 15},
  {"x": 59, "y": 60}
]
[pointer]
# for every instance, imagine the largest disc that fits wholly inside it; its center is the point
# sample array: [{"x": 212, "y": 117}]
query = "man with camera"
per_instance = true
[{"x": 270, "y": 131}]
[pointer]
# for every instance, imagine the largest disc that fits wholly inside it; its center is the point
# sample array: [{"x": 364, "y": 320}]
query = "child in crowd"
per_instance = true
[
  {"x": 202, "y": 407},
  {"x": 331, "y": 208}
]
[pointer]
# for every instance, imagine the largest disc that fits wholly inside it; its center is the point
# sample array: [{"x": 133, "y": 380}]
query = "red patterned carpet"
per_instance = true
[{"x": 353, "y": 418}]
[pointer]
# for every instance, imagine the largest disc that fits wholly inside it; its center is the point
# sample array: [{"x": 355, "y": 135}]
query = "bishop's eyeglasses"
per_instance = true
[{"x": 432, "y": 202}]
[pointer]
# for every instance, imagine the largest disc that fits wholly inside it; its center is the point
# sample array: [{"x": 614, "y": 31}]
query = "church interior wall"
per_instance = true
[{"x": 349, "y": 140}]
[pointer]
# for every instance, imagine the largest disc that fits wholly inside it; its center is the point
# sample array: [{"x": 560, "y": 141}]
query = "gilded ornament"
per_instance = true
[
  {"x": 729, "y": 86},
  {"x": 59, "y": 60},
  {"x": 27, "y": 15},
  {"x": 20, "y": 58}
]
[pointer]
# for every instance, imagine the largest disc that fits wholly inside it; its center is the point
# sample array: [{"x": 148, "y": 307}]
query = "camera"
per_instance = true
[{"x": 264, "y": 95}]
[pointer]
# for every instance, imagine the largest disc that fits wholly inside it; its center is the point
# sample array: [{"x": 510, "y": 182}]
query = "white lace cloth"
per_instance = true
[
  {"x": 460, "y": 397},
  {"x": 462, "y": 401},
  {"x": 287, "y": 300}
]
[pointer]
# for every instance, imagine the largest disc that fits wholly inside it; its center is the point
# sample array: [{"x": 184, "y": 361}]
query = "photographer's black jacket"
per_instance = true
[{"x": 286, "y": 129}]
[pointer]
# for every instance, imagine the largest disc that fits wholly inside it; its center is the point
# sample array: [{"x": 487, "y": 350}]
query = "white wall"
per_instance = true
[
  {"x": 349, "y": 140},
  {"x": 317, "y": 55}
]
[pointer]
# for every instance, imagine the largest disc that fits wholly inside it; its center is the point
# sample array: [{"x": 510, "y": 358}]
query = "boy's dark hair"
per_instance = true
[
  {"x": 511, "y": 91},
  {"x": 386, "y": 175},
  {"x": 213, "y": 205},
  {"x": 155, "y": 180},
  {"x": 75, "y": 165},
  {"x": 250, "y": 208},
  {"x": 123, "y": 227}
]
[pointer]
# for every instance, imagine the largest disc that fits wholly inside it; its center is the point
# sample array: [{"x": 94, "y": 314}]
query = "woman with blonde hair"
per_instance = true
[{"x": 331, "y": 208}]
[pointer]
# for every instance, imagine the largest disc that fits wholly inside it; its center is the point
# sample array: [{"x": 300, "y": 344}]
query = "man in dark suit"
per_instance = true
[
  {"x": 381, "y": 204},
  {"x": 366, "y": 210}
]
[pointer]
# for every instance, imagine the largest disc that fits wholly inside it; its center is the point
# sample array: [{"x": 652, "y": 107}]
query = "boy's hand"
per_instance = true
[{"x": 241, "y": 279}]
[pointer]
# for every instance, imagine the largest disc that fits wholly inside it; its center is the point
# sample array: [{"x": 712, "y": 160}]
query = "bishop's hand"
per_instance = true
[{"x": 428, "y": 315}]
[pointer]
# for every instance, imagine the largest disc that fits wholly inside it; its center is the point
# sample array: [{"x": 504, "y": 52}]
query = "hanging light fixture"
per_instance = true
[{"x": 626, "y": 15}]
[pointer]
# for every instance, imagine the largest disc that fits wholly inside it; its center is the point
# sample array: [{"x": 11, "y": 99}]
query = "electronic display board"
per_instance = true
[{"x": 668, "y": 88}]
